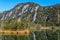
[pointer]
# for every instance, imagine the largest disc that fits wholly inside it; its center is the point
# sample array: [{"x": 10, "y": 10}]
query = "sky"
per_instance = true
[{"x": 8, "y": 4}]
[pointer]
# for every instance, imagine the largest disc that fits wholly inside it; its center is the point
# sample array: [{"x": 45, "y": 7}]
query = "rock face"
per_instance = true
[{"x": 33, "y": 12}]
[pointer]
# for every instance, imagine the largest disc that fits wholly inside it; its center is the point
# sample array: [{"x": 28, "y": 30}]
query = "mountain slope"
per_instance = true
[{"x": 34, "y": 13}]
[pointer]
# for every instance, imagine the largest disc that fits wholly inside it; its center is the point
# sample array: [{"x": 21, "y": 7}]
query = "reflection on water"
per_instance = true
[
  {"x": 37, "y": 35},
  {"x": 34, "y": 36}
]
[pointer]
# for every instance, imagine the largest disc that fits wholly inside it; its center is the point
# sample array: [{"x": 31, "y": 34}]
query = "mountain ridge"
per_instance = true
[{"x": 34, "y": 12}]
